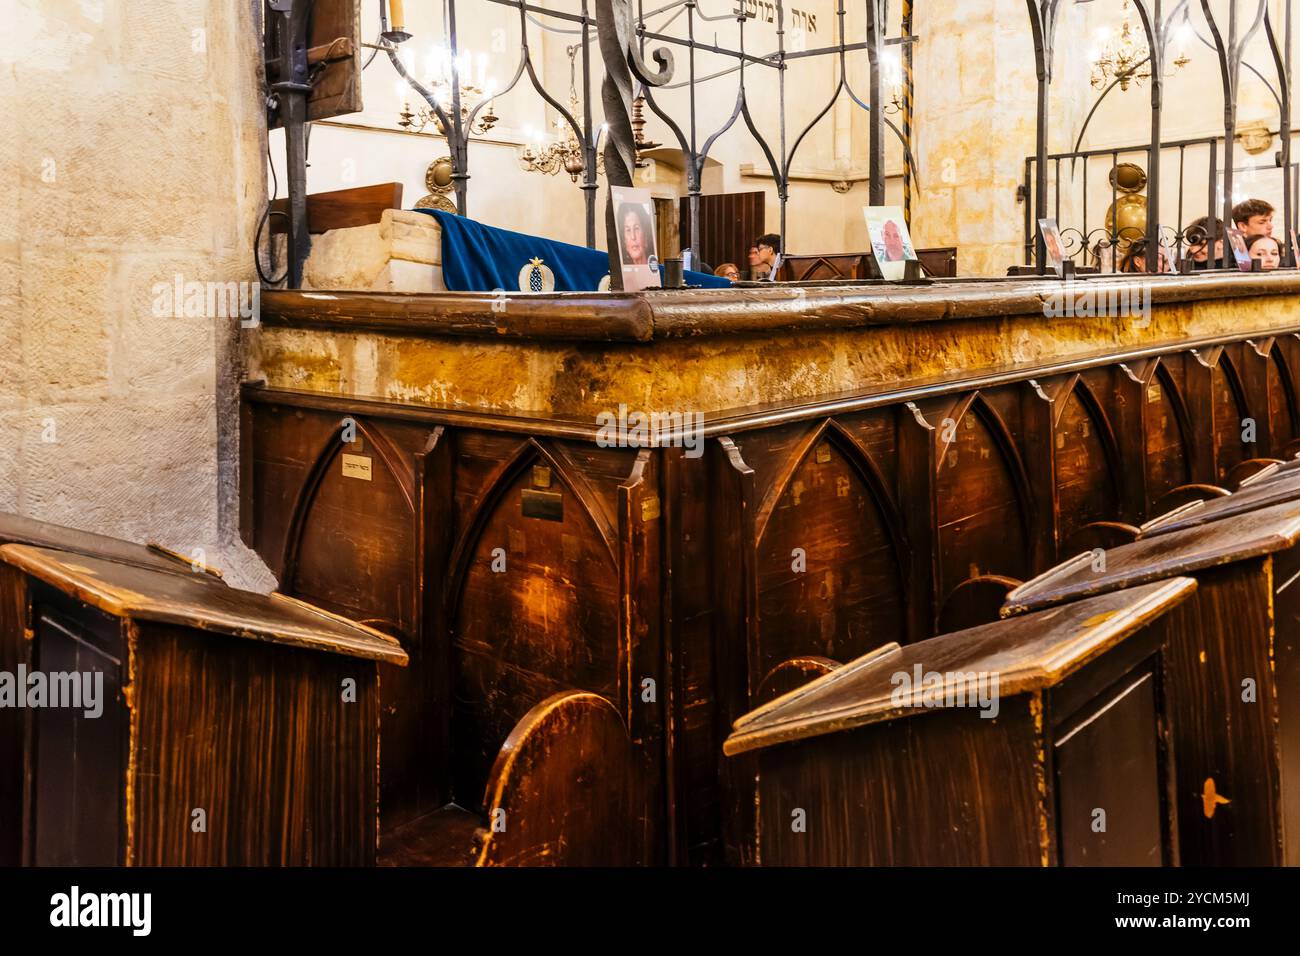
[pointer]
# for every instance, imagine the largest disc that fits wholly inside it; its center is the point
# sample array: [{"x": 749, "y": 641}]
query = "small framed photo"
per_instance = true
[
  {"x": 634, "y": 224},
  {"x": 891, "y": 242},
  {"x": 1051, "y": 233},
  {"x": 1239, "y": 251}
]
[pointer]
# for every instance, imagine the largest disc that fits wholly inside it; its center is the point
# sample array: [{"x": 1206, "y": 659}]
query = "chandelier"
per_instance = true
[
  {"x": 468, "y": 72},
  {"x": 566, "y": 152},
  {"x": 1126, "y": 58}
]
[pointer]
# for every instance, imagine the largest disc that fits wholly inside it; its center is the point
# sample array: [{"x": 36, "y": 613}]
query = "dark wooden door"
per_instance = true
[
  {"x": 79, "y": 760},
  {"x": 729, "y": 222}
]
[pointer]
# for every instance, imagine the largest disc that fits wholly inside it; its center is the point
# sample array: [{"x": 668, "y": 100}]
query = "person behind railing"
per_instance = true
[
  {"x": 768, "y": 248},
  {"x": 728, "y": 271},
  {"x": 1266, "y": 250},
  {"x": 1135, "y": 260},
  {"x": 1198, "y": 241},
  {"x": 1254, "y": 217}
]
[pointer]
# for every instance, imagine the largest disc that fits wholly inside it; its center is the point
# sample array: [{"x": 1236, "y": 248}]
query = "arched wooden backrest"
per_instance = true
[
  {"x": 985, "y": 506},
  {"x": 829, "y": 555},
  {"x": 533, "y": 607},
  {"x": 1280, "y": 387},
  {"x": 791, "y": 675},
  {"x": 1231, "y": 412},
  {"x": 1244, "y": 471},
  {"x": 1100, "y": 534},
  {"x": 1168, "y": 436},
  {"x": 975, "y": 601},
  {"x": 565, "y": 789},
  {"x": 1185, "y": 494},
  {"x": 1087, "y": 464}
]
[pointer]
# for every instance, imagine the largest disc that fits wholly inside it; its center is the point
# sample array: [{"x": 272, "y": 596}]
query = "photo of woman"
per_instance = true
[{"x": 636, "y": 234}]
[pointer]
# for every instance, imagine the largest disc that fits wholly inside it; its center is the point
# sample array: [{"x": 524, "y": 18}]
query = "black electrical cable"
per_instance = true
[{"x": 267, "y": 213}]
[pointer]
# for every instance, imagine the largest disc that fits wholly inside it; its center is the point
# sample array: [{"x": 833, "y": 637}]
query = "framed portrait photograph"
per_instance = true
[
  {"x": 1051, "y": 233},
  {"x": 891, "y": 243},
  {"x": 1239, "y": 251},
  {"x": 634, "y": 224}
]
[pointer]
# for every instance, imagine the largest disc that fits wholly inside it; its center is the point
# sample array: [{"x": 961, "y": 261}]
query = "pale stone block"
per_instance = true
[
  {"x": 346, "y": 258},
  {"x": 414, "y": 236},
  {"x": 131, "y": 469},
  {"x": 10, "y": 459},
  {"x": 400, "y": 253},
  {"x": 403, "y": 276},
  {"x": 66, "y": 311}
]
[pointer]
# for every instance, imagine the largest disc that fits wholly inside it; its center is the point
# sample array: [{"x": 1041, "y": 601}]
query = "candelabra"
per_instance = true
[
  {"x": 442, "y": 72},
  {"x": 1126, "y": 58}
]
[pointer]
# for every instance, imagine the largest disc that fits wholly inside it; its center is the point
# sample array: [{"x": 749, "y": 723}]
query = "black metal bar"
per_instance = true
[
  {"x": 589, "y": 170},
  {"x": 1282, "y": 61},
  {"x": 291, "y": 90},
  {"x": 1113, "y": 226},
  {"x": 1042, "y": 17},
  {"x": 1212, "y": 223},
  {"x": 876, "y": 14}
]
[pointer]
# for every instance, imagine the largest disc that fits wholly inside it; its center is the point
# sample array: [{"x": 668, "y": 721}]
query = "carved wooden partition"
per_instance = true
[{"x": 516, "y": 561}]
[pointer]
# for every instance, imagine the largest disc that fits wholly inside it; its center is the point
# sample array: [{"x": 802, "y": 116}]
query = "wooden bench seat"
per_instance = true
[
  {"x": 1234, "y": 674},
  {"x": 232, "y": 728},
  {"x": 891, "y": 760}
]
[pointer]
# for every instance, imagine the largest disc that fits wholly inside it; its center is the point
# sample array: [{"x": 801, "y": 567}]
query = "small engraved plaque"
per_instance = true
[{"x": 356, "y": 466}]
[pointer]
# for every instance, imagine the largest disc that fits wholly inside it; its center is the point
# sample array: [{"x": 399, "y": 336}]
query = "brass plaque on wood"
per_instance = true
[
  {"x": 823, "y": 453},
  {"x": 650, "y": 508},
  {"x": 548, "y": 505},
  {"x": 356, "y": 466},
  {"x": 541, "y": 476}
]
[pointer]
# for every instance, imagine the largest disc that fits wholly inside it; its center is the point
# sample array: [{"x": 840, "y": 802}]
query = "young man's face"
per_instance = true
[
  {"x": 754, "y": 258},
  {"x": 1200, "y": 253},
  {"x": 766, "y": 255},
  {"x": 1261, "y": 225}
]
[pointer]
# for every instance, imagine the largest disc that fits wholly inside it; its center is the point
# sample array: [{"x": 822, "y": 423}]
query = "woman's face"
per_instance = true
[
  {"x": 893, "y": 241},
  {"x": 1267, "y": 252},
  {"x": 633, "y": 237}
]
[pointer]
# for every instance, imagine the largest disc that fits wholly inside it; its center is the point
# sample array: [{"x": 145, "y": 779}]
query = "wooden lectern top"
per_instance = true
[
  {"x": 1282, "y": 487},
  {"x": 191, "y": 600},
  {"x": 1251, "y": 535},
  {"x": 16, "y": 529},
  {"x": 1027, "y": 654}
]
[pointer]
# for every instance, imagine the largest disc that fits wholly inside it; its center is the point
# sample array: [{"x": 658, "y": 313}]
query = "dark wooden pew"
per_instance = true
[
  {"x": 228, "y": 728},
  {"x": 1234, "y": 674},
  {"x": 514, "y": 570},
  {"x": 1252, "y": 497},
  {"x": 819, "y": 532},
  {"x": 17, "y": 529},
  {"x": 861, "y": 768}
]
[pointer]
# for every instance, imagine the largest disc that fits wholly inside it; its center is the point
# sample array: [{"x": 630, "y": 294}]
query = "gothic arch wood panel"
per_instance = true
[
  {"x": 830, "y": 557},
  {"x": 1087, "y": 464},
  {"x": 1167, "y": 440},
  {"x": 983, "y": 500},
  {"x": 351, "y": 540},
  {"x": 534, "y": 608},
  {"x": 1281, "y": 400},
  {"x": 352, "y": 548},
  {"x": 1230, "y": 413}
]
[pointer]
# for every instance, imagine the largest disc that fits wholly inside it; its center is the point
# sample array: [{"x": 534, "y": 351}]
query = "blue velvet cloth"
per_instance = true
[{"x": 479, "y": 258}]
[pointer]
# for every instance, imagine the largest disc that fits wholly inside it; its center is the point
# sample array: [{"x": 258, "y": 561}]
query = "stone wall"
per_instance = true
[{"x": 131, "y": 152}]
